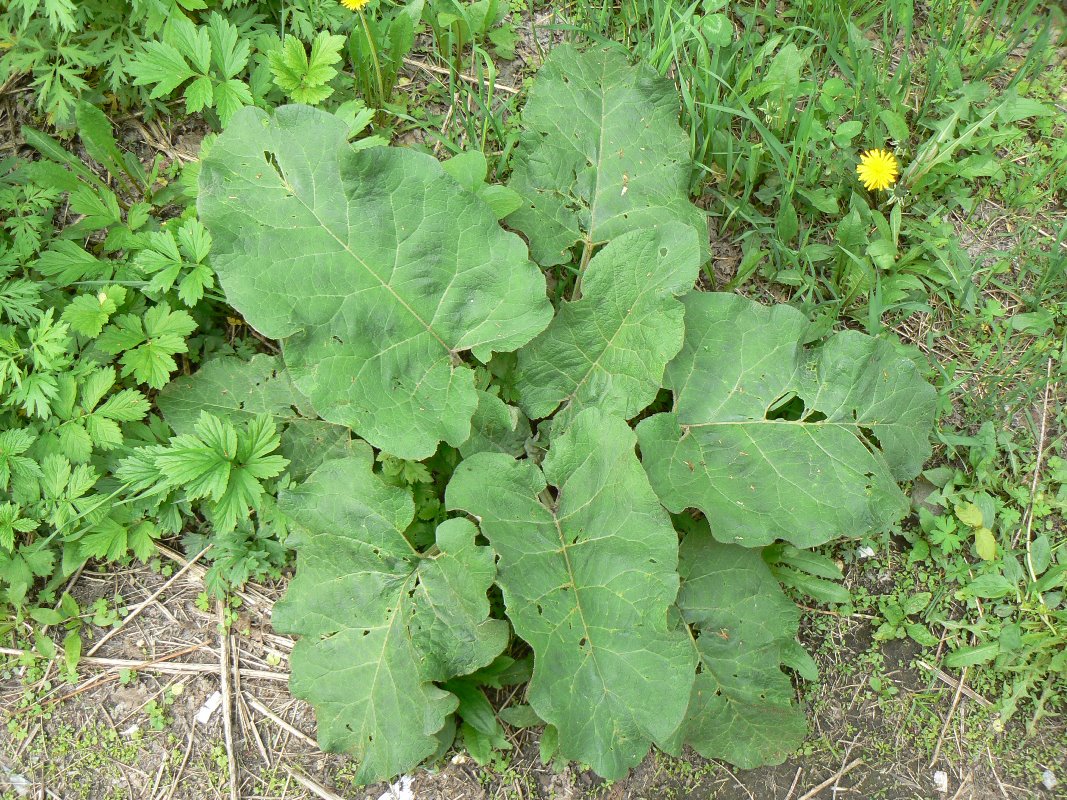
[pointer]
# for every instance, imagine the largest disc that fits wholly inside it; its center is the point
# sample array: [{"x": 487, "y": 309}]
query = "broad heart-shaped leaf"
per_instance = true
[
  {"x": 865, "y": 424},
  {"x": 588, "y": 579},
  {"x": 609, "y": 348},
  {"x": 741, "y": 708},
  {"x": 376, "y": 268},
  {"x": 601, "y": 154},
  {"x": 379, "y": 622}
]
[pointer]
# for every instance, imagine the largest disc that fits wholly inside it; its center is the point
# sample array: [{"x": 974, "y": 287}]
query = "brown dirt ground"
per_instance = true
[{"x": 173, "y": 642}]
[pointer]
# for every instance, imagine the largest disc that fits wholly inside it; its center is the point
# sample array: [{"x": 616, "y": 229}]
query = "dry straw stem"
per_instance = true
[
  {"x": 808, "y": 795},
  {"x": 279, "y": 721},
  {"x": 948, "y": 719},
  {"x": 947, "y": 679},
  {"x": 227, "y": 699},
  {"x": 146, "y": 603},
  {"x": 411, "y": 62}
]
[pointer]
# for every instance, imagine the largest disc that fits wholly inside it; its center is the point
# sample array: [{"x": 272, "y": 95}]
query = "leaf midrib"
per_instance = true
[
  {"x": 564, "y": 549},
  {"x": 856, "y": 424},
  {"x": 384, "y": 284},
  {"x": 595, "y": 363}
]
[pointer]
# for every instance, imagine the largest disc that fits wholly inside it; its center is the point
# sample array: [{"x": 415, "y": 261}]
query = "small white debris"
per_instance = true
[
  {"x": 401, "y": 790},
  {"x": 1048, "y": 780},
  {"x": 459, "y": 759},
  {"x": 19, "y": 783},
  {"x": 131, "y": 731},
  {"x": 941, "y": 781},
  {"x": 866, "y": 552},
  {"x": 211, "y": 705}
]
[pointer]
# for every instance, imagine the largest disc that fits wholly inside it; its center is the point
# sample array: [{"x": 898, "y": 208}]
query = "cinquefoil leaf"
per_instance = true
[
  {"x": 377, "y": 269},
  {"x": 609, "y": 348},
  {"x": 238, "y": 390},
  {"x": 588, "y": 578},
  {"x": 601, "y": 154},
  {"x": 831, "y": 472},
  {"x": 741, "y": 709},
  {"x": 379, "y": 622}
]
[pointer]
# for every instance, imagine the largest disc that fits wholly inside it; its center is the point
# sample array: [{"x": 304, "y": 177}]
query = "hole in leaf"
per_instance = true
[
  {"x": 815, "y": 416},
  {"x": 872, "y": 440},
  {"x": 788, "y": 407},
  {"x": 272, "y": 161},
  {"x": 662, "y": 252}
]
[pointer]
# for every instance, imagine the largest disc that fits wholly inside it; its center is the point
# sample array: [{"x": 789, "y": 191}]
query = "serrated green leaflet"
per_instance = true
[
  {"x": 380, "y": 622},
  {"x": 742, "y": 706},
  {"x": 588, "y": 579},
  {"x": 375, "y": 268},
  {"x": 609, "y": 348},
  {"x": 601, "y": 154},
  {"x": 831, "y": 472},
  {"x": 238, "y": 390}
]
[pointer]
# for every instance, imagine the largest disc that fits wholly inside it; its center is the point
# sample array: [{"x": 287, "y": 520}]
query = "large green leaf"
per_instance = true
[
  {"x": 233, "y": 389},
  {"x": 588, "y": 575},
  {"x": 496, "y": 427},
  {"x": 601, "y": 153},
  {"x": 379, "y": 622},
  {"x": 830, "y": 472},
  {"x": 741, "y": 707},
  {"x": 609, "y": 348},
  {"x": 377, "y": 269}
]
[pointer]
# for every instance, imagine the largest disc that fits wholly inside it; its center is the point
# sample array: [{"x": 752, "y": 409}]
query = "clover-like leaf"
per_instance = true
[
  {"x": 601, "y": 154},
  {"x": 380, "y": 622},
  {"x": 742, "y": 708},
  {"x": 588, "y": 572},
  {"x": 377, "y": 269},
  {"x": 772, "y": 440},
  {"x": 609, "y": 348}
]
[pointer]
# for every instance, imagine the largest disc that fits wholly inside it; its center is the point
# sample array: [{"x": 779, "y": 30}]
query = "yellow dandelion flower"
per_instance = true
[
  {"x": 878, "y": 169},
  {"x": 354, "y": 5}
]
